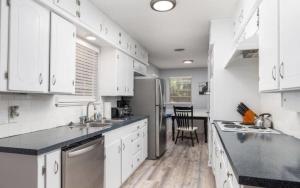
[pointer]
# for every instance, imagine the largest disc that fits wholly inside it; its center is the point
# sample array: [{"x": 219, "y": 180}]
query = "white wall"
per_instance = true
[
  {"x": 285, "y": 120},
  {"x": 198, "y": 75},
  {"x": 235, "y": 84},
  {"x": 37, "y": 112}
]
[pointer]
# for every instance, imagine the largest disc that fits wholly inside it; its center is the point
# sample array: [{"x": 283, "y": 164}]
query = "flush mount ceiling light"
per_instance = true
[
  {"x": 90, "y": 38},
  {"x": 188, "y": 61},
  {"x": 163, "y": 5}
]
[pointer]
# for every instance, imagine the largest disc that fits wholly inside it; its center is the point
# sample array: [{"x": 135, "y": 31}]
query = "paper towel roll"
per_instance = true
[{"x": 107, "y": 110}]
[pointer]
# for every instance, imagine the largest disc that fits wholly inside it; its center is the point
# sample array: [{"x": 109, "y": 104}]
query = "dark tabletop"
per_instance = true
[
  {"x": 266, "y": 160},
  {"x": 40, "y": 142}
]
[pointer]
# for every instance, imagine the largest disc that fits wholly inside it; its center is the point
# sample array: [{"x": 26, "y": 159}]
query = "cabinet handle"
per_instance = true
[
  {"x": 281, "y": 70},
  {"x": 138, "y": 145},
  {"x": 73, "y": 82},
  {"x": 78, "y": 2},
  {"x": 53, "y": 80},
  {"x": 274, "y": 72},
  {"x": 101, "y": 28},
  {"x": 41, "y": 79},
  {"x": 123, "y": 146},
  {"x": 220, "y": 165},
  {"x": 224, "y": 183},
  {"x": 56, "y": 168},
  {"x": 78, "y": 14}
]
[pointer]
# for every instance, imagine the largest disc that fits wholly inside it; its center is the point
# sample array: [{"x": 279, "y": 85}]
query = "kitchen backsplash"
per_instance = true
[
  {"x": 284, "y": 120},
  {"x": 37, "y": 112}
]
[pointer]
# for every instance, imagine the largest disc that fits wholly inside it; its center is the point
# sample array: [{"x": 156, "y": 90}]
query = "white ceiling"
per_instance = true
[{"x": 186, "y": 26}]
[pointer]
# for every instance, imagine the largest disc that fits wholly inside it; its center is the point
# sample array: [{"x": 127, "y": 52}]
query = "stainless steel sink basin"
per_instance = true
[{"x": 99, "y": 124}]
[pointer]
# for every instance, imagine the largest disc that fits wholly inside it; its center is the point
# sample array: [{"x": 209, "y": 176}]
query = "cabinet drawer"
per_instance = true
[
  {"x": 137, "y": 159},
  {"x": 137, "y": 145}
]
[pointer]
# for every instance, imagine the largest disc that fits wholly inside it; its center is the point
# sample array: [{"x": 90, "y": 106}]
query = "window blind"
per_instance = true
[{"x": 86, "y": 71}]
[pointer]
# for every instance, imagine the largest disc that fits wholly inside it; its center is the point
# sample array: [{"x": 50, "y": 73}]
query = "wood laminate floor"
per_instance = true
[{"x": 182, "y": 166}]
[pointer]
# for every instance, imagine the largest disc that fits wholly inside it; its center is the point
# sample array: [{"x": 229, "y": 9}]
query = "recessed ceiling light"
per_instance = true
[
  {"x": 179, "y": 49},
  {"x": 90, "y": 38},
  {"x": 163, "y": 5},
  {"x": 188, "y": 61}
]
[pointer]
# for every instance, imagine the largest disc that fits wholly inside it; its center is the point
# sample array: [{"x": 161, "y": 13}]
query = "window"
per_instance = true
[
  {"x": 86, "y": 70},
  {"x": 180, "y": 89},
  {"x": 87, "y": 57}
]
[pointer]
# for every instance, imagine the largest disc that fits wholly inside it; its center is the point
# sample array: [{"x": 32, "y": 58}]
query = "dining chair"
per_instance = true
[{"x": 184, "y": 119}]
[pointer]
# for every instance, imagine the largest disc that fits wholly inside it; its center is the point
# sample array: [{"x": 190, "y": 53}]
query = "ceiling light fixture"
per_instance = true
[
  {"x": 163, "y": 5},
  {"x": 188, "y": 61},
  {"x": 90, "y": 38}
]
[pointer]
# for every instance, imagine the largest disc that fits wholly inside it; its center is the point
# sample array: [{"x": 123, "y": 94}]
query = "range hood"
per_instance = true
[{"x": 139, "y": 69}]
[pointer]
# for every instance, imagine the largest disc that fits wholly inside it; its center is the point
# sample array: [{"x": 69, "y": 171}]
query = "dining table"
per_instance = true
[{"x": 198, "y": 114}]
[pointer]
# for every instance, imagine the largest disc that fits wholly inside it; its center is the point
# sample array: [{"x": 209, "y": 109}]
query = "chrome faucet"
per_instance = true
[{"x": 87, "y": 110}]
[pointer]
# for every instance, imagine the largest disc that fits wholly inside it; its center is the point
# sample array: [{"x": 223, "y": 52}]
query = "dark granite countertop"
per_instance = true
[
  {"x": 43, "y": 141},
  {"x": 265, "y": 160}
]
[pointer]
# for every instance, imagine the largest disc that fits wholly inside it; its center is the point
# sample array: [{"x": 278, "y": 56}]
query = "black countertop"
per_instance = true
[
  {"x": 40, "y": 142},
  {"x": 265, "y": 160}
]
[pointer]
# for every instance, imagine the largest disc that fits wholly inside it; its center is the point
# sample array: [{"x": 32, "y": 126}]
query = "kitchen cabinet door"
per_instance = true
[
  {"x": 121, "y": 73},
  {"x": 71, "y": 6},
  {"x": 289, "y": 45},
  {"x": 28, "y": 68},
  {"x": 129, "y": 76},
  {"x": 63, "y": 54},
  {"x": 113, "y": 165},
  {"x": 269, "y": 46},
  {"x": 53, "y": 169},
  {"x": 127, "y": 157},
  {"x": 90, "y": 16},
  {"x": 145, "y": 141}
]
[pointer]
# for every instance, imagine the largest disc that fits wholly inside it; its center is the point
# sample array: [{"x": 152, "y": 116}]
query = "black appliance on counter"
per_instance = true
[{"x": 123, "y": 108}]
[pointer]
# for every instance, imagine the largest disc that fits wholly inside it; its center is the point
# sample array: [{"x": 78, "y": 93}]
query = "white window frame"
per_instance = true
[
  {"x": 72, "y": 100},
  {"x": 169, "y": 91}
]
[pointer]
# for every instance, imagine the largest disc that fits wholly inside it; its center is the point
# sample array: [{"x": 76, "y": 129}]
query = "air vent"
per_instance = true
[{"x": 250, "y": 54}]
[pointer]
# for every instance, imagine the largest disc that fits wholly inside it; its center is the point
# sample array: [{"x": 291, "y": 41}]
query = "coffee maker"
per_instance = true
[{"x": 123, "y": 109}]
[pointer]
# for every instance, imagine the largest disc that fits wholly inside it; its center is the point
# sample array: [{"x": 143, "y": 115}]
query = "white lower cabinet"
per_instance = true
[
  {"x": 127, "y": 159},
  {"x": 53, "y": 169},
  {"x": 222, "y": 170},
  {"x": 42, "y": 171},
  {"x": 125, "y": 151},
  {"x": 113, "y": 164}
]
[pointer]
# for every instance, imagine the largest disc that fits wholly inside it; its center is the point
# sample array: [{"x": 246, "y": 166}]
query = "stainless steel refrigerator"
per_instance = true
[{"x": 149, "y": 100}]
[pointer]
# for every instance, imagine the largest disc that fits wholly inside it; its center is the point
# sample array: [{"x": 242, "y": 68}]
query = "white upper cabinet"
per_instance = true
[
  {"x": 289, "y": 45},
  {"x": 90, "y": 15},
  {"x": 63, "y": 55},
  {"x": 116, "y": 73},
  {"x": 245, "y": 10},
  {"x": 269, "y": 46},
  {"x": 70, "y": 6},
  {"x": 29, "y": 47}
]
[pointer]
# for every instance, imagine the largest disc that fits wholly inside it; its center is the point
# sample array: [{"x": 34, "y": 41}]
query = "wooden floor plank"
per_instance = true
[{"x": 182, "y": 166}]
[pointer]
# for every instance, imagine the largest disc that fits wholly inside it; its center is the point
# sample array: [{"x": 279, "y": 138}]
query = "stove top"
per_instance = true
[{"x": 234, "y": 126}]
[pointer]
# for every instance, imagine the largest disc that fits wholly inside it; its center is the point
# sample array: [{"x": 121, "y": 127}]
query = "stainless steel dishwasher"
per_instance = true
[{"x": 83, "y": 164}]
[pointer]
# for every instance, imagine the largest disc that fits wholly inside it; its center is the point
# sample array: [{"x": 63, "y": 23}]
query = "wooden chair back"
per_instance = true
[{"x": 184, "y": 117}]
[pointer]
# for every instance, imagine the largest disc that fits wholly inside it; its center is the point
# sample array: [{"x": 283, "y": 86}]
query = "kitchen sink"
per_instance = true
[{"x": 99, "y": 124}]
